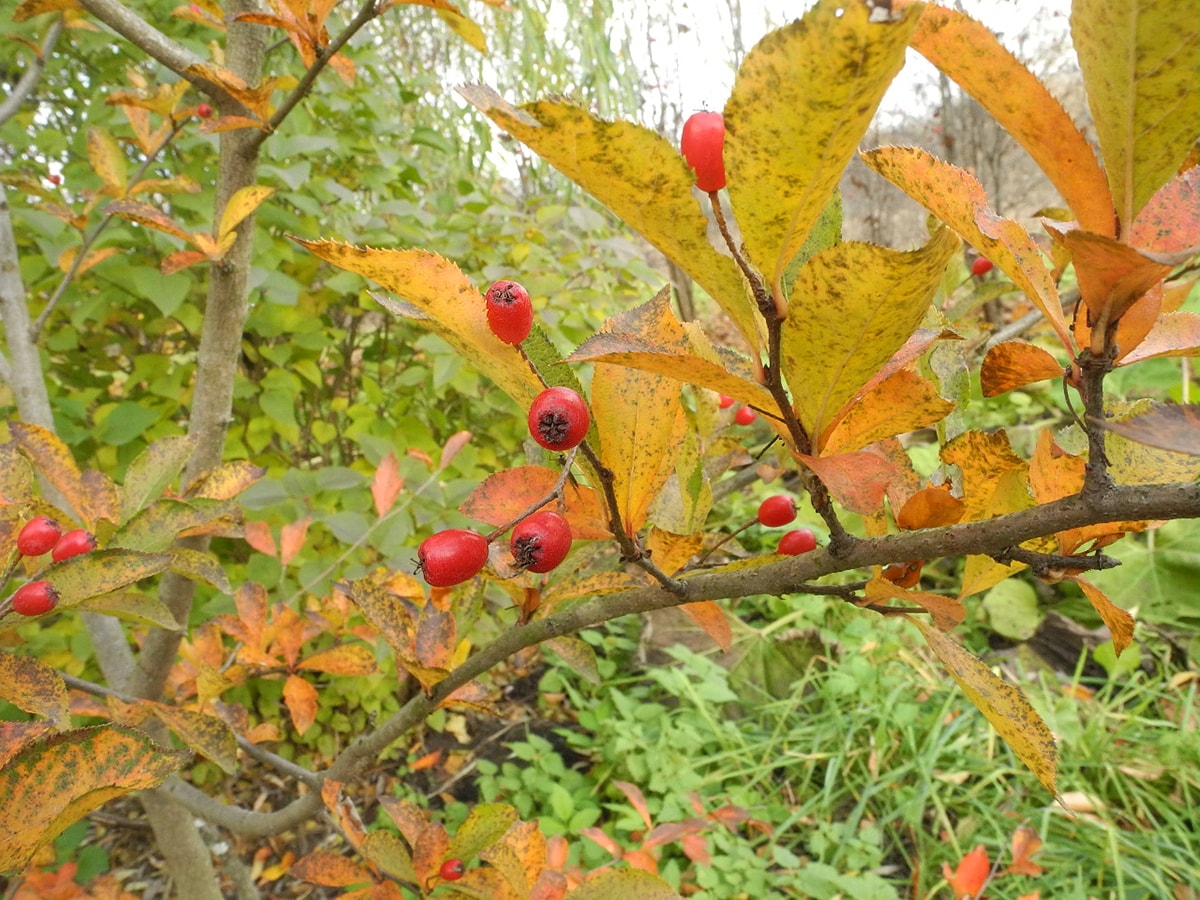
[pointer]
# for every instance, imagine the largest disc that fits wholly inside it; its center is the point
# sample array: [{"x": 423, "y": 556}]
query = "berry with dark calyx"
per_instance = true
[
  {"x": 73, "y": 543},
  {"x": 981, "y": 266},
  {"x": 725, "y": 402},
  {"x": 796, "y": 542},
  {"x": 559, "y": 419},
  {"x": 540, "y": 542},
  {"x": 509, "y": 312},
  {"x": 452, "y": 870},
  {"x": 38, "y": 535},
  {"x": 776, "y": 511},
  {"x": 745, "y": 415},
  {"x": 204, "y": 111},
  {"x": 35, "y": 598},
  {"x": 451, "y": 557},
  {"x": 702, "y": 145}
]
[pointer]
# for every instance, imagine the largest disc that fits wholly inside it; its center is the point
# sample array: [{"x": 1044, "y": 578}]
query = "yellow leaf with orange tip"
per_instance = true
[
  {"x": 947, "y": 612},
  {"x": 859, "y": 304},
  {"x": 1139, "y": 60},
  {"x": 972, "y": 55},
  {"x": 824, "y": 75},
  {"x": 147, "y": 215},
  {"x": 225, "y": 481},
  {"x": 256, "y": 99},
  {"x": 902, "y": 403},
  {"x": 1010, "y": 713},
  {"x": 958, "y": 199},
  {"x": 1119, "y": 621},
  {"x": 454, "y": 309},
  {"x": 346, "y": 659},
  {"x": 29, "y": 8},
  {"x": 1014, "y": 364},
  {"x": 638, "y": 175},
  {"x": 107, "y": 161},
  {"x": 54, "y": 461}
]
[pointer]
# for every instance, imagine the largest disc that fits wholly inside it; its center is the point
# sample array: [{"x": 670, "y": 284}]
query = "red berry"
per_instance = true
[
  {"x": 796, "y": 542},
  {"x": 204, "y": 111},
  {"x": 745, "y": 415},
  {"x": 35, "y": 599},
  {"x": 559, "y": 419},
  {"x": 55, "y": 179},
  {"x": 452, "y": 870},
  {"x": 37, "y": 536},
  {"x": 981, "y": 266},
  {"x": 451, "y": 557},
  {"x": 73, "y": 543},
  {"x": 702, "y": 144},
  {"x": 540, "y": 542},
  {"x": 509, "y": 312},
  {"x": 725, "y": 402},
  {"x": 776, "y": 511}
]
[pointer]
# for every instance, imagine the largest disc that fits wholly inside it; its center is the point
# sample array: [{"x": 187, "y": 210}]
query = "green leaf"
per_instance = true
[
  {"x": 485, "y": 825},
  {"x": 156, "y": 527},
  {"x": 622, "y": 884},
  {"x": 126, "y": 422},
  {"x": 152, "y": 471}
]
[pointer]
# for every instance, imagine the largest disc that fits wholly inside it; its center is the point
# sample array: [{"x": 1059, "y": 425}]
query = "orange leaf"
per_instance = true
[
  {"x": 1119, "y": 621},
  {"x": 505, "y": 494},
  {"x": 1025, "y": 843},
  {"x": 387, "y": 483},
  {"x": 258, "y": 535},
  {"x": 291, "y": 539},
  {"x": 947, "y": 612},
  {"x": 347, "y": 659},
  {"x": 329, "y": 870},
  {"x": 930, "y": 507},
  {"x": 1170, "y": 222},
  {"x": 180, "y": 260},
  {"x": 709, "y": 616},
  {"x": 454, "y": 445},
  {"x": 301, "y": 699},
  {"x": 902, "y": 403},
  {"x": 1173, "y": 334},
  {"x": 968, "y": 880},
  {"x": 53, "y": 459},
  {"x": 857, "y": 480},
  {"x": 1014, "y": 364}
]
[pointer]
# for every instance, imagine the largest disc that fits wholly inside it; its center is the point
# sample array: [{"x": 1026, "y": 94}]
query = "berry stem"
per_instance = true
[
  {"x": 762, "y": 298},
  {"x": 555, "y": 492},
  {"x": 725, "y": 539}
]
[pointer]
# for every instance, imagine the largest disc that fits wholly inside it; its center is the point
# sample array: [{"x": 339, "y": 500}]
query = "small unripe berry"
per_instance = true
[
  {"x": 38, "y": 535},
  {"x": 559, "y": 419},
  {"x": 204, "y": 111},
  {"x": 796, "y": 542},
  {"x": 509, "y": 312},
  {"x": 981, "y": 266},
  {"x": 35, "y": 599},
  {"x": 73, "y": 543},
  {"x": 776, "y": 511},
  {"x": 703, "y": 145},
  {"x": 451, "y": 557},
  {"x": 540, "y": 542},
  {"x": 452, "y": 870},
  {"x": 745, "y": 415}
]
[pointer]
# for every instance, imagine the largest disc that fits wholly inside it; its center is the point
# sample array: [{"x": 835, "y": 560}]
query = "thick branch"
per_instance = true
[{"x": 145, "y": 37}]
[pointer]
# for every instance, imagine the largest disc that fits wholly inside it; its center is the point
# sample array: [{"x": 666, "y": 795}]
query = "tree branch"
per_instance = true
[
  {"x": 32, "y": 75},
  {"x": 175, "y": 56}
]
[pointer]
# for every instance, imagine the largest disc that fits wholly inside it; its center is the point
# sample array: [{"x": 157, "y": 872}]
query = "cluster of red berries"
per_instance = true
[
  {"x": 559, "y": 421},
  {"x": 743, "y": 415},
  {"x": 38, "y": 536},
  {"x": 780, "y": 510}
]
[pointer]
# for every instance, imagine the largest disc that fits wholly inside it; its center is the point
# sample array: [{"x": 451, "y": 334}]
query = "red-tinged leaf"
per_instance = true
[
  {"x": 180, "y": 260},
  {"x": 1014, "y": 364},
  {"x": 947, "y": 612},
  {"x": 695, "y": 846},
  {"x": 57, "y": 780},
  {"x": 436, "y": 637},
  {"x": 258, "y": 535},
  {"x": 1025, "y": 843},
  {"x": 107, "y": 161},
  {"x": 301, "y": 699},
  {"x": 930, "y": 507},
  {"x": 671, "y": 832},
  {"x": 578, "y": 655},
  {"x": 712, "y": 618},
  {"x": 1010, "y": 713},
  {"x": 504, "y": 495},
  {"x": 329, "y": 870},
  {"x": 968, "y": 880},
  {"x": 636, "y": 799},
  {"x": 348, "y": 659},
  {"x": 388, "y": 852},
  {"x": 603, "y": 840},
  {"x": 1170, "y": 222},
  {"x": 972, "y": 55},
  {"x": 902, "y": 403},
  {"x": 453, "y": 447},
  {"x": 1119, "y": 621},
  {"x": 857, "y": 480},
  {"x": 1172, "y": 334},
  {"x": 428, "y": 761},
  {"x": 207, "y": 735},
  {"x": 637, "y": 174},
  {"x": 958, "y": 199},
  {"x": 623, "y": 884},
  {"x": 149, "y": 216},
  {"x": 640, "y": 859},
  {"x": 1167, "y": 427},
  {"x": 291, "y": 539},
  {"x": 387, "y": 483},
  {"x": 52, "y": 458},
  {"x": 226, "y": 481},
  {"x": 35, "y": 688}
]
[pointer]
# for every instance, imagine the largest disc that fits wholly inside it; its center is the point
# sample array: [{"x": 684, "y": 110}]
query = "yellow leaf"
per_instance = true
[
  {"x": 973, "y": 56},
  {"x": 799, "y": 108},
  {"x": 672, "y": 551},
  {"x": 958, "y": 199},
  {"x": 67, "y": 259},
  {"x": 947, "y": 612},
  {"x": 107, "y": 160},
  {"x": 1010, "y": 713},
  {"x": 639, "y": 176},
  {"x": 455, "y": 309},
  {"x": 243, "y": 202},
  {"x": 146, "y": 215},
  {"x": 1139, "y": 60},
  {"x": 34, "y": 687},
  {"x": 858, "y": 303},
  {"x": 465, "y": 28},
  {"x": 1131, "y": 462},
  {"x": 207, "y": 735}
]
